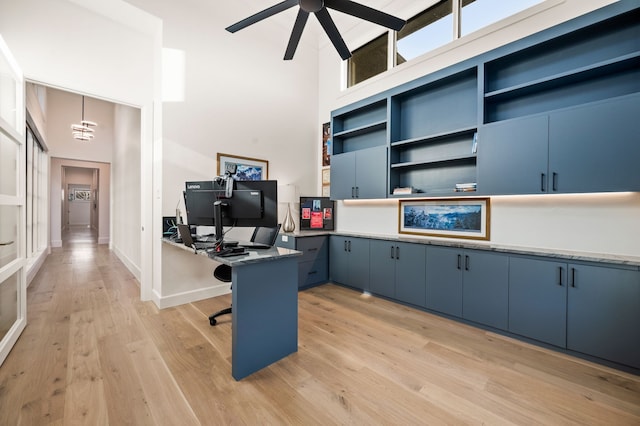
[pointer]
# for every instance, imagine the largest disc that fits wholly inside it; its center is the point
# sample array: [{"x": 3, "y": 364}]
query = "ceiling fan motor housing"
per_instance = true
[{"x": 311, "y": 6}]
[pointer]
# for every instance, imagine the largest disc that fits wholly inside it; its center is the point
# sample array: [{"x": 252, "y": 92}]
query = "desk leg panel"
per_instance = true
[{"x": 265, "y": 314}]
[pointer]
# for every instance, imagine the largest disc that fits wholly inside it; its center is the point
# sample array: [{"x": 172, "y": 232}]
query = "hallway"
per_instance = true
[{"x": 74, "y": 235}]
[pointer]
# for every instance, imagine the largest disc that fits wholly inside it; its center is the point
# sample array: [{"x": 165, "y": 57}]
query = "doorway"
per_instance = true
[{"x": 80, "y": 211}]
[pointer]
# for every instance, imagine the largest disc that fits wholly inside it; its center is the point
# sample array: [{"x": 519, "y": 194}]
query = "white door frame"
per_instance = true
[{"x": 13, "y": 130}]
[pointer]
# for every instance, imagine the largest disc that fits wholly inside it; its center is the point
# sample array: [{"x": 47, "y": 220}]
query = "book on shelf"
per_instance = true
[
  {"x": 466, "y": 187},
  {"x": 474, "y": 145},
  {"x": 404, "y": 190}
]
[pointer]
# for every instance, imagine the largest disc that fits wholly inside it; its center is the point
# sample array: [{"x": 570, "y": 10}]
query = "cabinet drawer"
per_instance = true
[
  {"x": 313, "y": 272},
  {"x": 312, "y": 247},
  {"x": 290, "y": 242}
]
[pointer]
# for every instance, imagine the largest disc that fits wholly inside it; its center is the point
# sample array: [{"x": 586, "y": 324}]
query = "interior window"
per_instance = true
[
  {"x": 480, "y": 13},
  {"x": 368, "y": 60},
  {"x": 426, "y": 31}
]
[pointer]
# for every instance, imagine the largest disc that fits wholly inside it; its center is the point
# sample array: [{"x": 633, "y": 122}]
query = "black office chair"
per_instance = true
[{"x": 261, "y": 235}]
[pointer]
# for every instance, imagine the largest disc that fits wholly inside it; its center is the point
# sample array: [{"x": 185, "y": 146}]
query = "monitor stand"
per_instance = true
[{"x": 223, "y": 248}]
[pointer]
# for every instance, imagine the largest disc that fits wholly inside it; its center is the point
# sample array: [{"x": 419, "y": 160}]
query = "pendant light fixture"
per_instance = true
[{"x": 83, "y": 131}]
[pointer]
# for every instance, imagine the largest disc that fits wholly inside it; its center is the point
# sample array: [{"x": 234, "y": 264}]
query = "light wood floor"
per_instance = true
[{"x": 93, "y": 354}]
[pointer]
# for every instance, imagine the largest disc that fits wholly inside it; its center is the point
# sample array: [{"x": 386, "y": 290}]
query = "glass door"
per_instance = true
[{"x": 13, "y": 305}]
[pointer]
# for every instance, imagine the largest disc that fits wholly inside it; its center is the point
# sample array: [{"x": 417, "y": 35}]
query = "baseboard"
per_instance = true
[
  {"x": 131, "y": 266},
  {"x": 190, "y": 296},
  {"x": 35, "y": 264},
  {"x": 56, "y": 243},
  {"x": 103, "y": 240}
]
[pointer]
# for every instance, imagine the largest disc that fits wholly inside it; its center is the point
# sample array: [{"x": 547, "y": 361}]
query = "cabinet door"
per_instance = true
[
  {"x": 444, "y": 280},
  {"x": 603, "y": 313},
  {"x": 358, "y": 263},
  {"x": 485, "y": 292},
  {"x": 343, "y": 176},
  {"x": 513, "y": 156},
  {"x": 595, "y": 148},
  {"x": 410, "y": 273},
  {"x": 371, "y": 175},
  {"x": 538, "y": 300},
  {"x": 382, "y": 268},
  {"x": 338, "y": 259}
]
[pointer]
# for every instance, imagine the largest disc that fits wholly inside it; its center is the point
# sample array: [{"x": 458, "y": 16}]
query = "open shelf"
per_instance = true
[
  {"x": 434, "y": 138},
  {"x": 434, "y": 162},
  {"x": 600, "y": 69},
  {"x": 362, "y": 130}
]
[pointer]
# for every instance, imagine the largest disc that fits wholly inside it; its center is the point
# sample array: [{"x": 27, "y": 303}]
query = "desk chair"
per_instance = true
[{"x": 261, "y": 235}]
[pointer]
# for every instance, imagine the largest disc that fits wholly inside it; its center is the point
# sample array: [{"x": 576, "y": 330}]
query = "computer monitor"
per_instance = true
[{"x": 252, "y": 204}]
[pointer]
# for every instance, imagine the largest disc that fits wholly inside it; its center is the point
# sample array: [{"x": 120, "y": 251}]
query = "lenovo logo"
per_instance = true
[{"x": 193, "y": 186}]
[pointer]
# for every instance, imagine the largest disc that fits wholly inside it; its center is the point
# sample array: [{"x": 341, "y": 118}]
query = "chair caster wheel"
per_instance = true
[{"x": 212, "y": 321}]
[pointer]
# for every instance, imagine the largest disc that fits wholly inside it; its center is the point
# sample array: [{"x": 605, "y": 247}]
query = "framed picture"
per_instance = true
[
  {"x": 326, "y": 144},
  {"x": 449, "y": 217},
  {"x": 246, "y": 168},
  {"x": 326, "y": 176}
]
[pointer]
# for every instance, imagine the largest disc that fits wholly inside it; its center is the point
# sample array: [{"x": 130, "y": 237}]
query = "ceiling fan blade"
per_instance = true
[
  {"x": 280, "y": 7},
  {"x": 332, "y": 31},
  {"x": 365, "y": 12},
  {"x": 296, "y": 33}
]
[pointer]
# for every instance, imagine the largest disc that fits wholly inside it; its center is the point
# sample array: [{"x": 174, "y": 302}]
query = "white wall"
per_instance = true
[
  {"x": 600, "y": 223},
  {"x": 127, "y": 187},
  {"x": 65, "y": 108}
]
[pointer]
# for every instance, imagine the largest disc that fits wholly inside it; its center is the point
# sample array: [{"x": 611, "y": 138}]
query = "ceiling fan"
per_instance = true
[{"x": 319, "y": 8}]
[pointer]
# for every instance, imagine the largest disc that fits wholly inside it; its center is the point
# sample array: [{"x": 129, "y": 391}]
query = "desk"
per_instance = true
[{"x": 264, "y": 319}]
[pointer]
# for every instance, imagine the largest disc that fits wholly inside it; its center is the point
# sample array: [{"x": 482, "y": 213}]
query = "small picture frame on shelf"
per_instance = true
[{"x": 448, "y": 217}]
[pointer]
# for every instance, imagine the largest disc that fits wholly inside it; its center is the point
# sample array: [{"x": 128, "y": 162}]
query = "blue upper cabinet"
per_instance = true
[
  {"x": 555, "y": 112},
  {"x": 359, "y": 157}
]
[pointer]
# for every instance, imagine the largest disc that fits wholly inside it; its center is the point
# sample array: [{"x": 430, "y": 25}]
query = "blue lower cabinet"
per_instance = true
[
  {"x": 397, "y": 270},
  {"x": 594, "y": 310},
  {"x": 538, "y": 299},
  {"x": 313, "y": 265},
  {"x": 603, "y": 313},
  {"x": 349, "y": 261},
  {"x": 469, "y": 284}
]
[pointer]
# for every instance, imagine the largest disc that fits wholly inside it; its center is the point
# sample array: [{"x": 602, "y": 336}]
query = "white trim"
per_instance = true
[
  {"x": 10, "y": 339},
  {"x": 190, "y": 296},
  {"x": 131, "y": 266},
  {"x": 34, "y": 264}
]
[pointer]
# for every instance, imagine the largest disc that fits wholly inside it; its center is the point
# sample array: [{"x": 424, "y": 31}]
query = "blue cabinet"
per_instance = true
[
  {"x": 359, "y": 174},
  {"x": 538, "y": 299},
  {"x": 513, "y": 156},
  {"x": 594, "y": 148},
  {"x": 397, "y": 270},
  {"x": 590, "y": 309},
  {"x": 313, "y": 265},
  {"x": 349, "y": 261},
  {"x": 359, "y": 151},
  {"x": 590, "y": 148},
  {"x": 469, "y": 284},
  {"x": 603, "y": 313},
  {"x": 444, "y": 280}
]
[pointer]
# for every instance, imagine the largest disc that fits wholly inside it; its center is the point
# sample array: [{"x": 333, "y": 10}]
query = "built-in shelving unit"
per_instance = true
[
  {"x": 432, "y": 134},
  {"x": 596, "y": 62},
  {"x": 463, "y": 125}
]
